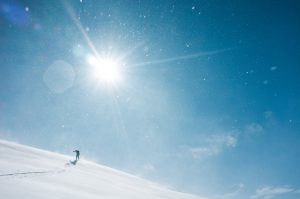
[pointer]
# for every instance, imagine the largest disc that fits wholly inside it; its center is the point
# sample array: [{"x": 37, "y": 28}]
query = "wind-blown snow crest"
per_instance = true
[{"x": 31, "y": 173}]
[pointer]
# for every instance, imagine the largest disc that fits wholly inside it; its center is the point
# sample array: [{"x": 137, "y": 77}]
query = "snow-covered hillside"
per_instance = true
[{"x": 31, "y": 173}]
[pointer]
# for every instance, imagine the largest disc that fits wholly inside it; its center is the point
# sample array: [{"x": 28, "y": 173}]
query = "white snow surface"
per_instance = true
[{"x": 30, "y": 173}]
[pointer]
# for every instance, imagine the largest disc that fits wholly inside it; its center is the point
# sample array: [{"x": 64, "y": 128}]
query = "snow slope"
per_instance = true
[{"x": 31, "y": 173}]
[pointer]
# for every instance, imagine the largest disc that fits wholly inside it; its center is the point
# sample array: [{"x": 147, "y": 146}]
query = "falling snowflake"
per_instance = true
[{"x": 273, "y": 68}]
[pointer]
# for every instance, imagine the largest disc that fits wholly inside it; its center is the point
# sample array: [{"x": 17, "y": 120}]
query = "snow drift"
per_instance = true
[{"x": 31, "y": 173}]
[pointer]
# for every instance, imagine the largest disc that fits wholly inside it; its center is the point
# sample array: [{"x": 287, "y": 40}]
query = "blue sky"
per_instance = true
[{"x": 204, "y": 96}]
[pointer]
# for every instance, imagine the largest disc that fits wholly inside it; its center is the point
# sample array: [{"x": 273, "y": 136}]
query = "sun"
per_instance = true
[{"x": 106, "y": 70}]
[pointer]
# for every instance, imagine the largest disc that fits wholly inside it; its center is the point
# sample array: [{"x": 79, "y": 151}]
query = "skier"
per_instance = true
[{"x": 77, "y": 154}]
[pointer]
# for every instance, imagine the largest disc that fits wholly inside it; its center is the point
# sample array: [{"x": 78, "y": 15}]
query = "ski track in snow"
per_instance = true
[{"x": 31, "y": 172}]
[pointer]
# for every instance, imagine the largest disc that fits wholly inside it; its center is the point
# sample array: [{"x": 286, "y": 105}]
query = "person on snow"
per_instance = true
[{"x": 77, "y": 154}]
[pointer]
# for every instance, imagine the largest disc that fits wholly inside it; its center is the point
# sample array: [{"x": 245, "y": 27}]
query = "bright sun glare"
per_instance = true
[{"x": 105, "y": 69}]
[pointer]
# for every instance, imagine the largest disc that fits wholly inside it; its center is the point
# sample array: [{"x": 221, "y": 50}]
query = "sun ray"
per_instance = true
[
  {"x": 184, "y": 57},
  {"x": 81, "y": 29}
]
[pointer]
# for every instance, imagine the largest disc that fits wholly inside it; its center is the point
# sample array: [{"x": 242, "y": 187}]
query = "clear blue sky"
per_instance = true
[{"x": 204, "y": 96}]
